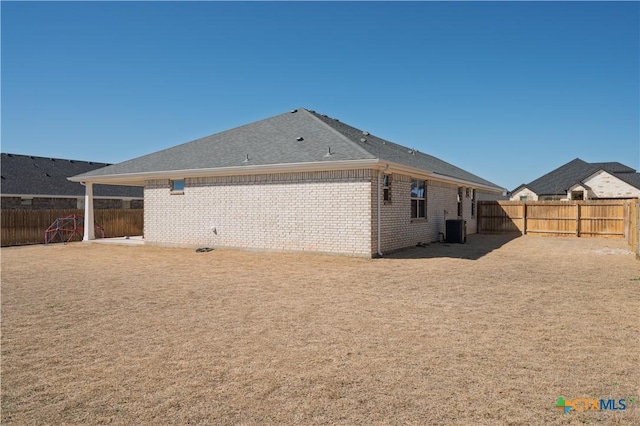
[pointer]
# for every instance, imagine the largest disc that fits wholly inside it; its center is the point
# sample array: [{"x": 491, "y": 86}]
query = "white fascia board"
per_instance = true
[
  {"x": 100, "y": 197},
  {"x": 140, "y": 178},
  {"x": 430, "y": 175}
]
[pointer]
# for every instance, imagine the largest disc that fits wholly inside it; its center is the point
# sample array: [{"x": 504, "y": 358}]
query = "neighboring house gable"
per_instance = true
[
  {"x": 603, "y": 184},
  {"x": 522, "y": 193},
  {"x": 31, "y": 182},
  {"x": 576, "y": 179}
]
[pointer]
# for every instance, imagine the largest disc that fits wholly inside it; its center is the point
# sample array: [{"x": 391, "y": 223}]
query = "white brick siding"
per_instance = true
[
  {"x": 524, "y": 192},
  {"x": 319, "y": 212},
  {"x": 605, "y": 185},
  {"x": 327, "y": 212},
  {"x": 398, "y": 230}
]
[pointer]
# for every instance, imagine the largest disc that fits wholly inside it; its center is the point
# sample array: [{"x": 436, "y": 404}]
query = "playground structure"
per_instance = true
[{"x": 64, "y": 229}]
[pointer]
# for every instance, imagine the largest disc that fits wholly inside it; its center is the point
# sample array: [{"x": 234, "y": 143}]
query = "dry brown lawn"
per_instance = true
[{"x": 491, "y": 332}]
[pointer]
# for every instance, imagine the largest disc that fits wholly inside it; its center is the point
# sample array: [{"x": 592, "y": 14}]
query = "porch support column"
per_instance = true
[{"x": 89, "y": 227}]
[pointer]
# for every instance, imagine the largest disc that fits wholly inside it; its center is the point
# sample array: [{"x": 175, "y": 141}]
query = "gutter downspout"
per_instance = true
[{"x": 378, "y": 213}]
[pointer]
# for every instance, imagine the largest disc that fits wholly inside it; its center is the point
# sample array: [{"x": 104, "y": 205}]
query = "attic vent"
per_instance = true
[
  {"x": 336, "y": 119},
  {"x": 299, "y": 138},
  {"x": 363, "y": 139},
  {"x": 246, "y": 160},
  {"x": 71, "y": 161},
  {"x": 329, "y": 153},
  {"x": 324, "y": 115},
  {"x": 365, "y": 133},
  {"x": 47, "y": 174},
  {"x": 90, "y": 162},
  {"x": 293, "y": 111},
  {"x": 32, "y": 157},
  {"x": 9, "y": 155},
  {"x": 3, "y": 177},
  {"x": 52, "y": 159}
]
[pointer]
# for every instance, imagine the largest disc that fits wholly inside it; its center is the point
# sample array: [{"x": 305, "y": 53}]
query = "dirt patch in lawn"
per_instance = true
[{"x": 145, "y": 335}]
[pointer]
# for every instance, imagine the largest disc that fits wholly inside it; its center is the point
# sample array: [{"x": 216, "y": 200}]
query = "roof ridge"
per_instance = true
[{"x": 339, "y": 133}]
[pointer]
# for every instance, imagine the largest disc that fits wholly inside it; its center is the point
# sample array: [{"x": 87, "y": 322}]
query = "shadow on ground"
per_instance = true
[{"x": 477, "y": 245}]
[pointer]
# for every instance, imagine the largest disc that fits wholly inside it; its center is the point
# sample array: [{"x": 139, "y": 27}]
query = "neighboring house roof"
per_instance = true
[
  {"x": 30, "y": 175},
  {"x": 558, "y": 181},
  {"x": 276, "y": 140}
]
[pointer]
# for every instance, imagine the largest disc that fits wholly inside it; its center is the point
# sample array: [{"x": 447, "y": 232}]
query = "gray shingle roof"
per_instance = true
[
  {"x": 30, "y": 175},
  {"x": 558, "y": 181},
  {"x": 275, "y": 140}
]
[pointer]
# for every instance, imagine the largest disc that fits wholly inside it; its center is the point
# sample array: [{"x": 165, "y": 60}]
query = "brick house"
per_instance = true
[
  {"x": 39, "y": 183},
  {"x": 299, "y": 181},
  {"x": 579, "y": 180}
]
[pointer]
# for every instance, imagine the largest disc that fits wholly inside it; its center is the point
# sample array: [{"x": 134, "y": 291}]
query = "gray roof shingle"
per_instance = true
[
  {"x": 31, "y": 175},
  {"x": 275, "y": 141}
]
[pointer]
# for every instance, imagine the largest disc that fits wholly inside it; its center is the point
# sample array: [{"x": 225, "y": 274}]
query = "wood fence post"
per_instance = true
[
  {"x": 577, "y": 219},
  {"x": 637, "y": 230}
]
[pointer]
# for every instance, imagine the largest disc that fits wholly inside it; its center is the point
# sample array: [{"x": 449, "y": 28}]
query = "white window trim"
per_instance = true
[
  {"x": 418, "y": 199},
  {"x": 173, "y": 191}
]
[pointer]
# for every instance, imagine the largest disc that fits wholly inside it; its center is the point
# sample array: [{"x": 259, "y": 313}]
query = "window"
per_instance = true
[
  {"x": 386, "y": 188},
  {"x": 460, "y": 201},
  {"x": 177, "y": 186},
  {"x": 577, "y": 195},
  {"x": 523, "y": 198},
  {"x": 418, "y": 200},
  {"x": 473, "y": 203}
]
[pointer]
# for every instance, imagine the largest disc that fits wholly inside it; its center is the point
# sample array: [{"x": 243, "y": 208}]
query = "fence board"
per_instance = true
[
  {"x": 592, "y": 218},
  {"x": 21, "y": 227}
]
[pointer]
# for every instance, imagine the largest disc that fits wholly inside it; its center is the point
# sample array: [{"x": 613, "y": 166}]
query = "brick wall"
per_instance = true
[
  {"x": 524, "y": 192},
  {"x": 605, "y": 185},
  {"x": 399, "y": 231},
  {"x": 316, "y": 211}
]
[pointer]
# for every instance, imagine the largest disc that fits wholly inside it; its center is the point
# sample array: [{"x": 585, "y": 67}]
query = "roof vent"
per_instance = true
[
  {"x": 294, "y": 110},
  {"x": 246, "y": 160},
  {"x": 299, "y": 138},
  {"x": 365, "y": 133},
  {"x": 4, "y": 177},
  {"x": 47, "y": 174},
  {"x": 363, "y": 139},
  {"x": 329, "y": 153},
  {"x": 52, "y": 159}
]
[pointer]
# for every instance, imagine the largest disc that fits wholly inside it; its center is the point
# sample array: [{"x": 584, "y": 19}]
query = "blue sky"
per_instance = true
[{"x": 506, "y": 90}]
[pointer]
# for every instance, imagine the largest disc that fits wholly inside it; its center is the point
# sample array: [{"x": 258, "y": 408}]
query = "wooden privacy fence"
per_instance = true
[
  {"x": 21, "y": 227},
  {"x": 580, "y": 218},
  {"x": 592, "y": 218}
]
